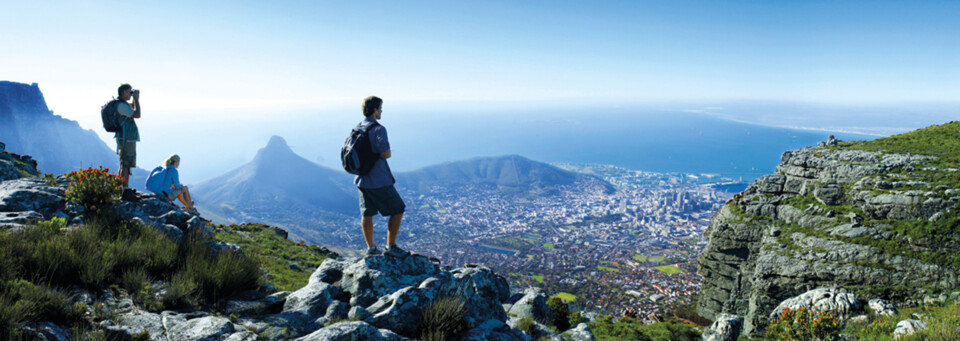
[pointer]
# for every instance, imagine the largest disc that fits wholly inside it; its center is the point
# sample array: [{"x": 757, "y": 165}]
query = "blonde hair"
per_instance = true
[{"x": 171, "y": 160}]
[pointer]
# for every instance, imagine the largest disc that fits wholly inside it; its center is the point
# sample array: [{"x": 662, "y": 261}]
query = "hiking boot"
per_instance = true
[
  {"x": 373, "y": 251},
  {"x": 130, "y": 194},
  {"x": 396, "y": 251}
]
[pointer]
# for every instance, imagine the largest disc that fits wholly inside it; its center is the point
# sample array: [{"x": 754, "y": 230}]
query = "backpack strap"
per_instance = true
[{"x": 365, "y": 128}]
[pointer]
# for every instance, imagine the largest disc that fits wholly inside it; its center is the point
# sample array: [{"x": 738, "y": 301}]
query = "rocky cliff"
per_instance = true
[
  {"x": 876, "y": 217},
  {"x": 60, "y": 145}
]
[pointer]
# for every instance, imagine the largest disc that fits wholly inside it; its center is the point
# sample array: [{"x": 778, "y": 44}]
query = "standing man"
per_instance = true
[
  {"x": 377, "y": 193},
  {"x": 128, "y": 136}
]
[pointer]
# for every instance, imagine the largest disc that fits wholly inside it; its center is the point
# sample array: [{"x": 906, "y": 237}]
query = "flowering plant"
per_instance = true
[
  {"x": 94, "y": 189},
  {"x": 803, "y": 325}
]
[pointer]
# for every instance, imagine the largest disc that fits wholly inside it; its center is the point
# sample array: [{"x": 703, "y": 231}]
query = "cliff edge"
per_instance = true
[{"x": 876, "y": 217}]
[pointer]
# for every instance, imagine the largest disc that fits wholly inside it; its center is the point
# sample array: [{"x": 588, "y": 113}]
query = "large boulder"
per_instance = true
[
  {"x": 532, "y": 303},
  {"x": 493, "y": 330},
  {"x": 580, "y": 332},
  {"x": 882, "y": 307},
  {"x": 841, "y": 302},
  {"x": 351, "y": 331},
  {"x": 202, "y": 328},
  {"x": 908, "y": 327},
  {"x": 727, "y": 327}
]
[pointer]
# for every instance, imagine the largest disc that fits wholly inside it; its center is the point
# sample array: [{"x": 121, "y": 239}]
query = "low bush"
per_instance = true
[
  {"x": 444, "y": 319},
  {"x": 94, "y": 189},
  {"x": 561, "y": 313},
  {"x": 803, "y": 324}
]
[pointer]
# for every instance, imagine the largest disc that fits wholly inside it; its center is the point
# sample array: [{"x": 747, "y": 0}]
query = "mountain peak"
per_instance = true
[{"x": 277, "y": 143}]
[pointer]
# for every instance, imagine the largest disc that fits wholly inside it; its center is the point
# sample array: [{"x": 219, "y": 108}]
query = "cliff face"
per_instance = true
[
  {"x": 851, "y": 215},
  {"x": 59, "y": 145}
]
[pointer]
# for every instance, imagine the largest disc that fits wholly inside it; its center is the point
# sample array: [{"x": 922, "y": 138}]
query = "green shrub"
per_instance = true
[
  {"x": 94, "y": 189},
  {"x": 576, "y": 318},
  {"x": 803, "y": 324},
  {"x": 444, "y": 318},
  {"x": 527, "y": 325},
  {"x": 561, "y": 313},
  {"x": 217, "y": 275}
]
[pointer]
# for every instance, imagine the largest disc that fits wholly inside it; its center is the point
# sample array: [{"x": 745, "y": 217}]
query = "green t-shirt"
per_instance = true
[{"x": 129, "y": 130}]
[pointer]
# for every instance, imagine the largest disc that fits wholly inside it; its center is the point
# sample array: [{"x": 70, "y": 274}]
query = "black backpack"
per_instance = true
[
  {"x": 110, "y": 116},
  {"x": 357, "y": 154}
]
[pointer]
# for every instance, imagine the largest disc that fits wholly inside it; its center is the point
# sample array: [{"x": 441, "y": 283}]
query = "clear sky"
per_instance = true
[
  {"x": 209, "y": 63},
  {"x": 306, "y": 54}
]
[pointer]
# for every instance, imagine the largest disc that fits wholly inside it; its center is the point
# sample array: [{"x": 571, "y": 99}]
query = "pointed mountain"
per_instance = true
[{"x": 278, "y": 183}]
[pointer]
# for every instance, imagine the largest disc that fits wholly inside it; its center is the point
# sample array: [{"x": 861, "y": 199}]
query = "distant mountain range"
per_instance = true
[
  {"x": 511, "y": 174},
  {"x": 314, "y": 202},
  {"x": 59, "y": 145}
]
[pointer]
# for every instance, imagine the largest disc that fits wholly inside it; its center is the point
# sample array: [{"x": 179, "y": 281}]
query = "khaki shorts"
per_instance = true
[{"x": 128, "y": 153}]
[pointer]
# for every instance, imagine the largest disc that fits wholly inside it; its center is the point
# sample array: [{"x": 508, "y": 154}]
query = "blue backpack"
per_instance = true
[{"x": 156, "y": 179}]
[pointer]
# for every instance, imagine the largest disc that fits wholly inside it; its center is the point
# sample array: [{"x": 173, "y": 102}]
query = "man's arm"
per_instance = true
[
  {"x": 385, "y": 155},
  {"x": 136, "y": 105}
]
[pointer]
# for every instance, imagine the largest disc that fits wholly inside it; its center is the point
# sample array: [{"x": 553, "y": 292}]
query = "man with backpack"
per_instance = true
[
  {"x": 365, "y": 154},
  {"x": 127, "y": 135}
]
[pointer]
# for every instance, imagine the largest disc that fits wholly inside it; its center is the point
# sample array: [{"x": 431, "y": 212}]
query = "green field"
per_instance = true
[
  {"x": 537, "y": 278},
  {"x": 644, "y": 258},
  {"x": 441, "y": 211},
  {"x": 669, "y": 269},
  {"x": 608, "y": 269},
  {"x": 425, "y": 206},
  {"x": 547, "y": 246},
  {"x": 566, "y": 296}
]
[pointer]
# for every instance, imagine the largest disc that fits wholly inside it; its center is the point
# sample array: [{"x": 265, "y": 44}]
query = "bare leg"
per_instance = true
[
  {"x": 125, "y": 174},
  {"x": 393, "y": 227},
  {"x": 366, "y": 223},
  {"x": 185, "y": 197}
]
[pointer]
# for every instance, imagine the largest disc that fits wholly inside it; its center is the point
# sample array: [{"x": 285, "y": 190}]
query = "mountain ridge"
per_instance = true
[{"x": 877, "y": 217}]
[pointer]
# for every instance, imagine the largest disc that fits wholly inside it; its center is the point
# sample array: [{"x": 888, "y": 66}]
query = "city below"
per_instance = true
[{"x": 626, "y": 250}]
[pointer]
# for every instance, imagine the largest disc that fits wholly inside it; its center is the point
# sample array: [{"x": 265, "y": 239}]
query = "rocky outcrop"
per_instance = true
[
  {"x": 908, "y": 327},
  {"x": 827, "y": 218},
  {"x": 726, "y": 328},
  {"x": 839, "y": 302}
]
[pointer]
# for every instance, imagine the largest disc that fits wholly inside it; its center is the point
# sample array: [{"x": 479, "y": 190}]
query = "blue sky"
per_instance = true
[{"x": 210, "y": 62}]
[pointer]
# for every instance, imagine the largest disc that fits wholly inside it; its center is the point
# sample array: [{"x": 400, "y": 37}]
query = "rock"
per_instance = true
[
  {"x": 351, "y": 331},
  {"x": 30, "y": 194},
  {"x": 533, "y": 304},
  {"x": 358, "y": 313},
  {"x": 220, "y": 246},
  {"x": 268, "y": 305},
  {"x": 177, "y": 218},
  {"x": 44, "y": 331},
  {"x": 727, "y": 327},
  {"x": 18, "y": 219},
  {"x": 383, "y": 275},
  {"x": 841, "y": 302},
  {"x": 203, "y": 328},
  {"x": 908, "y": 327},
  {"x": 582, "y": 332},
  {"x": 831, "y": 141},
  {"x": 304, "y": 306},
  {"x": 402, "y": 311},
  {"x": 135, "y": 322},
  {"x": 882, "y": 307},
  {"x": 329, "y": 271},
  {"x": 859, "y": 319},
  {"x": 539, "y": 330},
  {"x": 493, "y": 330},
  {"x": 828, "y": 195},
  {"x": 197, "y": 225}
]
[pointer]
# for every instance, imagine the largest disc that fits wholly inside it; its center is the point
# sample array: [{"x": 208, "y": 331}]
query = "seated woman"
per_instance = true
[{"x": 171, "y": 184}]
